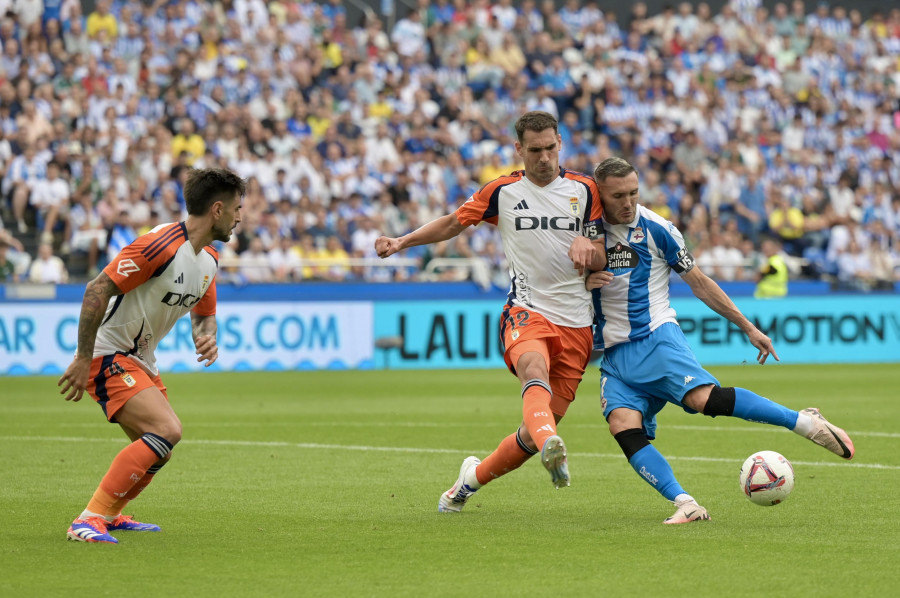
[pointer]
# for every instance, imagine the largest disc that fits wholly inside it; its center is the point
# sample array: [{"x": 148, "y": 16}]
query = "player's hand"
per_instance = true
[
  {"x": 598, "y": 279},
  {"x": 74, "y": 380},
  {"x": 385, "y": 246},
  {"x": 764, "y": 344},
  {"x": 582, "y": 254},
  {"x": 207, "y": 349}
]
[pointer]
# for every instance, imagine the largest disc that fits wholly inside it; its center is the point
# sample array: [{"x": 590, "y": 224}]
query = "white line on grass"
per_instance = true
[
  {"x": 394, "y": 424},
  {"x": 401, "y": 449}
]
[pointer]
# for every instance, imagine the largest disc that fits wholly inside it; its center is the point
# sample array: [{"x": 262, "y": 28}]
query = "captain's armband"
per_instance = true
[{"x": 593, "y": 230}]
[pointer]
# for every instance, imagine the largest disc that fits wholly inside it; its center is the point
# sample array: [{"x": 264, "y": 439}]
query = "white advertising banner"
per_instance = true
[{"x": 40, "y": 338}]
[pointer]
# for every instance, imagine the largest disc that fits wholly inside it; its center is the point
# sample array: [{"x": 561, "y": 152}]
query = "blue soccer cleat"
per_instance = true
[
  {"x": 90, "y": 529},
  {"x": 127, "y": 523}
]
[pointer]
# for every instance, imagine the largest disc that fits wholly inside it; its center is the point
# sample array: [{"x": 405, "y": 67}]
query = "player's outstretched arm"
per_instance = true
[
  {"x": 204, "y": 329},
  {"x": 93, "y": 307},
  {"x": 706, "y": 289},
  {"x": 440, "y": 229}
]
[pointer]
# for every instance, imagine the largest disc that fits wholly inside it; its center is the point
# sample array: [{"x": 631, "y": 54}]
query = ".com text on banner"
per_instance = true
[{"x": 37, "y": 338}]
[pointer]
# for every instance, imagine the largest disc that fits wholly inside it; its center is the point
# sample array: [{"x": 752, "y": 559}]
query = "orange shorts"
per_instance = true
[
  {"x": 566, "y": 350},
  {"x": 116, "y": 378}
]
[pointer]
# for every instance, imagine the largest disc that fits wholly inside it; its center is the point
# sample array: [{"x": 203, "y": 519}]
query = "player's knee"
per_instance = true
[
  {"x": 171, "y": 431},
  {"x": 623, "y": 419},
  {"x": 720, "y": 402}
]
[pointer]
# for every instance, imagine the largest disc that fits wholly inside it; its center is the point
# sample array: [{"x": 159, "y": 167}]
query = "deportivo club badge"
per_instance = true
[{"x": 637, "y": 235}]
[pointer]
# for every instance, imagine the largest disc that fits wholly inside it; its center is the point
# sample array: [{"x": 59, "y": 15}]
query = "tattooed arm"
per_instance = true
[
  {"x": 96, "y": 298},
  {"x": 204, "y": 332}
]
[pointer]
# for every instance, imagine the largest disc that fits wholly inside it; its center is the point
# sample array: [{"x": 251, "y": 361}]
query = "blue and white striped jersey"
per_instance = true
[{"x": 640, "y": 255}]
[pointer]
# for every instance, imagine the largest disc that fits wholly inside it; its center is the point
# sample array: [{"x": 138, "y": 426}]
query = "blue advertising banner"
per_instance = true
[
  {"x": 40, "y": 338},
  {"x": 830, "y": 329},
  {"x": 261, "y": 328}
]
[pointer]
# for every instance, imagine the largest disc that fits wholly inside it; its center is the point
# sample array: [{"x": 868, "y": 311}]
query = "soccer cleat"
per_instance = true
[
  {"x": 553, "y": 456},
  {"x": 830, "y": 436},
  {"x": 127, "y": 523},
  {"x": 454, "y": 499},
  {"x": 687, "y": 511},
  {"x": 90, "y": 529}
]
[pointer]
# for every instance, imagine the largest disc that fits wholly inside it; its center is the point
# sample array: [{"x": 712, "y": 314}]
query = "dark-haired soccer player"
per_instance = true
[
  {"x": 541, "y": 212},
  {"x": 131, "y": 305}
]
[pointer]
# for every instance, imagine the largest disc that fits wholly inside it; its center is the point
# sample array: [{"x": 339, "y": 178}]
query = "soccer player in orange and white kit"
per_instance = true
[
  {"x": 131, "y": 305},
  {"x": 546, "y": 324}
]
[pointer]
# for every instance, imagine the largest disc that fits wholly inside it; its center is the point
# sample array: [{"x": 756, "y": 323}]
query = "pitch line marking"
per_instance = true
[
  {"x": 352, "y": 424},
  {"x": 400, "y": 449}
]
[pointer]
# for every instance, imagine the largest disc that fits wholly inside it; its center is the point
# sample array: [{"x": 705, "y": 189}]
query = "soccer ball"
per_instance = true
[{"x": 767, "y": 478}]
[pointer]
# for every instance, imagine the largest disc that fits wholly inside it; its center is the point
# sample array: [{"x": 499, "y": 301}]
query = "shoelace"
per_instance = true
[
  {"x": 98, "y": 523},
  {"x": 123, "y": 519}
]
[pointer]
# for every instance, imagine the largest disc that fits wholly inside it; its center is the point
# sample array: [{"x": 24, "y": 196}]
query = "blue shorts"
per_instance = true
[{"x": 645, "y": 374}]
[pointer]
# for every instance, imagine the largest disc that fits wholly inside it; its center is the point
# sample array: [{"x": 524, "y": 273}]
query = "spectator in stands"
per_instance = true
[
  {"x": 7, "y": 268},
  {"x": 50, "y": 199},
  {"x": 47, "y": 268},
  {"x": 772, "y": 279}
]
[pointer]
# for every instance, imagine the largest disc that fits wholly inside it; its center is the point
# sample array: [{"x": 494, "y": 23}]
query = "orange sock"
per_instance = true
[
  {"x": 119, "y": 504},
  {"x": 536, "y": 414},
  {"x": 127, "y": 469},
  {"x": 510, "y": 455}
]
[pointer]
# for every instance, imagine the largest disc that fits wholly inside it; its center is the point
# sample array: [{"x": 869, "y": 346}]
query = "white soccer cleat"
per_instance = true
[
  {"x": 454, "y": 499},
  {"x": 828, "y": 435},
  {"x": 687, "y": 511},
  {"x": 553, "y": 456}
]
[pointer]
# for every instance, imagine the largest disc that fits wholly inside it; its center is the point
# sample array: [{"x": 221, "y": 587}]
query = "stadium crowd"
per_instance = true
[{"x": 745, "y": 125}]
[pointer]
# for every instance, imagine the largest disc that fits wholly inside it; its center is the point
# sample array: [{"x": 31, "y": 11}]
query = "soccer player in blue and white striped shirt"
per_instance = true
[{"x": 647, "y": 361}]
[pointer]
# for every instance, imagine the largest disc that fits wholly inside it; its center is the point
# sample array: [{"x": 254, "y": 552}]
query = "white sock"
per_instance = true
[
  {"x": 85, "y": 514},
  {"x": 684, "y": 498},
  {"x": 471, "y": 479},
  {"x": 804, "y": 425}
]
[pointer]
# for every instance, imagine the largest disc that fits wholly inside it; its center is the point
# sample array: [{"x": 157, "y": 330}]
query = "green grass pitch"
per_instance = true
[{"x": 326, "y": 484}]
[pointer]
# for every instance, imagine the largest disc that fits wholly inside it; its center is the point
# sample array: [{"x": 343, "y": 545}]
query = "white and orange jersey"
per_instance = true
[
  {"x": 538, "y": 225},
  {"x": 161, "y": 279}
]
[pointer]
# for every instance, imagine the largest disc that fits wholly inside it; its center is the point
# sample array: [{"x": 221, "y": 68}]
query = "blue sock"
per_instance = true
[
  {"x": 653, "y": 467},
  {"x": 754, "y": 408}
]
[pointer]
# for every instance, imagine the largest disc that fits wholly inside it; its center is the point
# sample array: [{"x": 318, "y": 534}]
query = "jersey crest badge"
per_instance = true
[
  {"x": 128, "y": 380},
  {"x": 205, "y": 283},
  {"x": 515, "y": 334},
  {"x": 574, "y": 207},
  {"x": 637, "y": 235}
]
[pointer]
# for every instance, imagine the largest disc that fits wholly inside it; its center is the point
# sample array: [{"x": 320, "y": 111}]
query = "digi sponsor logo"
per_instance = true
[
  {"x": 547, "y": 223},
  {"x": 180, "y": 299},
  {"x": 621, "y": 257}
]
